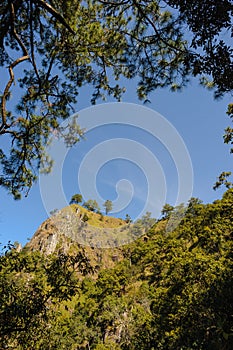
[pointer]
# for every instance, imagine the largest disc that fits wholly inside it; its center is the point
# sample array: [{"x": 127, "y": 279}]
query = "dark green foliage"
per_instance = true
[
  {"x": 223, "y": 178},
  {"x": 228, "y": 137},
  {"x": 85, "y": 217},
  {"x": 50, "y": 49},
  {"x": 172, "y": 291},
  {"x": 31, "y": 285},
  {"x": 206, "y": 22},
  {"x": 167, "y": 210},
  {"x": 128, "y": 219},
  {"x": 76, "y": 198},
  {"x": 92, "y": 205}
]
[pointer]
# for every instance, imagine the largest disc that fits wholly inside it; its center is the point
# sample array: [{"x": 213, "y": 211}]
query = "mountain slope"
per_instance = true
[
  {"x": 168, "y": 290},
  {"x": 74, "y": 229}
]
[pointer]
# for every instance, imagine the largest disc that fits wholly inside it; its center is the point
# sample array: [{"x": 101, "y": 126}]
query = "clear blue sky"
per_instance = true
[{"x": 199, "y": 119}]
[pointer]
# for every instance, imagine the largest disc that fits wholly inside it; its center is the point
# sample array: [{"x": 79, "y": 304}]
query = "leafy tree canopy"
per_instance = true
[
  {"x": 92, "y": 205},
  {"x": 76, "y": 198},
  {"x": 50, "y": 49},
  {"x": 30, "y": 286},
  {"x": 167, "y": 210}
]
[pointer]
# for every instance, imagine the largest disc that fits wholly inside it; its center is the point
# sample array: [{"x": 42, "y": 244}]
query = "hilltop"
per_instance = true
[
  {"x": 74, "y": 229},
  {"x": 77, "y": 224}
]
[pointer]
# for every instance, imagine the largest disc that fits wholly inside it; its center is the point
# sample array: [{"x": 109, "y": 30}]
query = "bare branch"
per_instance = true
[
  {"x": 10, "y": 68},
  {"x": 7, "y": 89},
  {"x": 19, "y": 41}
]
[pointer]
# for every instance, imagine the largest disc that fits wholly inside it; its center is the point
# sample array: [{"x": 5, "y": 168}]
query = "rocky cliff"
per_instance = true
[{"x": 74, "y": 228}]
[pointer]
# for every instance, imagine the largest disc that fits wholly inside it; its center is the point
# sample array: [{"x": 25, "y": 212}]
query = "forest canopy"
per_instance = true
[{"x": 169, "y": 290}]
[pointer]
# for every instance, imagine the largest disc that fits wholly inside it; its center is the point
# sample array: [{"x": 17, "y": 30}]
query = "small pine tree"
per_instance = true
[
  {"x": 128, "y": 219},
  {"x": 167, "y": 211},
  {"x": 108, "y": 206}
]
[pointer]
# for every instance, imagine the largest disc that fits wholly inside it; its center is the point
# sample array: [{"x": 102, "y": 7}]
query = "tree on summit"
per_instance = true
[
  {"x": 167, "y": 210},
  {"x": 76, "y": 198},
  {"x": 108, "y": 206},
  {"x": 128, "y": 219},
  {"x": 92, "y": 205}
]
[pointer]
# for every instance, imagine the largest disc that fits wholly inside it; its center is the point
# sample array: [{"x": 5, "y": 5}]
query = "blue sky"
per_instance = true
[{"x": 198, "y": 118}]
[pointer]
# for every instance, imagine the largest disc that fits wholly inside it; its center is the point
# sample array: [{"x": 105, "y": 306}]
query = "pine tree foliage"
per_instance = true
[{"x": 50, "y": 49}]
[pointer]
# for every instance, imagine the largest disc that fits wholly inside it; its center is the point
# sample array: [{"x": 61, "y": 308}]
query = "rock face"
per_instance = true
[
  {"x": 47, "y": 239},
  {"x": 75, "y": 225},
  {"x": 69, "y": 231}
]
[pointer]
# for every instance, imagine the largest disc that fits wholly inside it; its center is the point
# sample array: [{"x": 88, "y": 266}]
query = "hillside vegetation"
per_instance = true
[
  {"x": 167, "y": 290},
  {"x": 97, "y": 219}
]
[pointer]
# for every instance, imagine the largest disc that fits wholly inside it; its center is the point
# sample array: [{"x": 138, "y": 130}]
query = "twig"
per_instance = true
[
  {"x": 32, "y": 45},
  {"x": 140, "y": 10}
]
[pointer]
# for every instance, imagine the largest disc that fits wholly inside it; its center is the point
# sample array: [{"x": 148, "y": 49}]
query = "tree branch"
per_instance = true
[
  {"x": 54, "y": 13},
  {"x": 13, "y": 30},
  {"x": 144, "y": 15},
  {"x": 106, "y": 2},
  {"x": 32, "y": 45},
  {"x": 7, "y": 89},
  {"x": 10, "y": 68}
]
